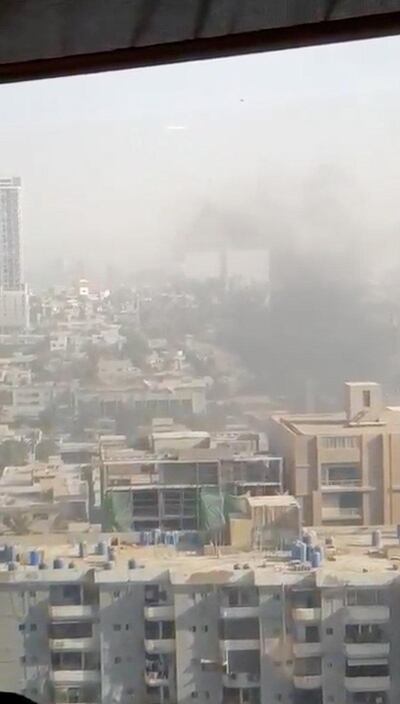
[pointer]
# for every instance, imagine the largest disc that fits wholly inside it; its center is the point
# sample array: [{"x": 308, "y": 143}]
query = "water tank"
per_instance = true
[
  {"x": 307, "y": 538},
  {"x": 42, "y": 566},
  {"x": 377, "y": 538},
  {"x": 309, "y": 552},
  {"x": 34, "y": 558},
  {"x": 111, "y": 553},
  {"x": 295, "y": 551},
  {"x": 82, "y": 549},
  {"x": 109, "y": 565},
  {"x": 102, "y": 547},
  {"x": 58, "y": 563},
  {"x": 302, "y": 551},
  {"x": 132, "y": 564},
  {"x": 12, "y": 566},
  {"x": 315, "y": 558},
  {"x": 320, "y": 549},
  {"x": 12, "y": 553}
]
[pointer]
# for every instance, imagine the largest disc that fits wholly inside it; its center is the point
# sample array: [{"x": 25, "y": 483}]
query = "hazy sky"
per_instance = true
[{"x": 116, "y": 166}]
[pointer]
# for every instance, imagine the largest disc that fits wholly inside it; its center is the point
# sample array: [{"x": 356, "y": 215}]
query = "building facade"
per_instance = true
[
  {"x": 156, "y": 633},
  {"x": 343, "y": 467}
]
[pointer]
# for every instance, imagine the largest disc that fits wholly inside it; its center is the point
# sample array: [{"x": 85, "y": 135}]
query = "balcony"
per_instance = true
[
  {"x": 307, "y": 650},
  {"x": 239, "y": 644},
  {"x": 333, "y": 513},
  {"x": 341, "y": 484},
  {"x": 239, "y": 612},
  {"x": 240, "y": 680},
  {"x": 156, "y": 679},
  {"x": 367, "y": 614},
  {"x": 72, "y": 644},
  {"x": 72, "y": 612},
  {"x": 367, "y": 684},
  {"x": 307, "y": 614},
  {"x": 367, "y": 650},
  {"x": 75, "y": 676},
  {"x": 159, "y": 613},
  {"x": 307, "y": 681},
  {"x": 161, "y": 646}
]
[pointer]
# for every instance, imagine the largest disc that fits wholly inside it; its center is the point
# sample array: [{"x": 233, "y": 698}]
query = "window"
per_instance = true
[
  {"x": 365, "y": 597},
  {"x": 32, "y": 595},
  {"x": 116, "y": 595},
  {"x": 329, "y": 631},
  {"x": 194, "y": 695},
  {"x": 205, "y": 629},
  {"x": 366, "y": 398},
  {"x": 21, "y": 627},
  {"x": 33, "y": 627},
  {"x": 193, "y": 629},
  {"x": 117, "y": 627},
  {"x": 127, "y": 626},
  {"x": 117, "y": 660}
]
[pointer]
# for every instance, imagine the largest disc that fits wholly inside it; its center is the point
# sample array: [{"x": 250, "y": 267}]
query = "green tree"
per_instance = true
[{"x": 13, "y": 453}]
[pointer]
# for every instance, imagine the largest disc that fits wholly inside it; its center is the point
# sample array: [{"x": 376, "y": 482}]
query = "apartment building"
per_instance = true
[
  {"x": 155, "y": 399},
  {"x": 139, "y": 628},
  {"x": 343, "y": 467}
]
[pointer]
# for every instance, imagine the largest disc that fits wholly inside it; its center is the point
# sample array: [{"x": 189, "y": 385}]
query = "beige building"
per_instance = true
[{"x": 345, "y": 467}]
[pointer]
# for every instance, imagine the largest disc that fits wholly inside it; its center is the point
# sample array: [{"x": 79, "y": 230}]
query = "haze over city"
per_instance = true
[
  {"x": 200, "y": 381},
  {"x": 300, "y": 145}
]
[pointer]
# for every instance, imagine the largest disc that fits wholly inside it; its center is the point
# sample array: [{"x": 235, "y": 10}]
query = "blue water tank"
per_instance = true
[
  {"x": 320, "y": 549},
  {"x": 309, "y": 552},
  {"x": 315, "y": 558},
  {"x": 295, "y": 551},
  {"x": 34, "y": 558},
  {"x": 12, "y": 553},
  {"x": 302, "y": 551},
  {"x": 58, "y": 563},
  {"x": 307, "y": 538}
]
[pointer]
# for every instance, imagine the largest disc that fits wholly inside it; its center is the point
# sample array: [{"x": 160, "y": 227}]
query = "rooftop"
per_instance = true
[{"x": 353, "y": 561}]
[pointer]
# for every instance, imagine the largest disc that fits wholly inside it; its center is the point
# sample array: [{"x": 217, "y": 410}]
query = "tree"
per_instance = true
[
  {"x": 136, "y": 346},
  {"x": 44, "y": 449},
  {"x": 13, "y": 453}
]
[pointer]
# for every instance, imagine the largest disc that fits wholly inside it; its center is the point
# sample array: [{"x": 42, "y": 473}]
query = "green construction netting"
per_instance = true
[
  {"x": 212, "y": 516},
  {"x": 118, "y": 511}
]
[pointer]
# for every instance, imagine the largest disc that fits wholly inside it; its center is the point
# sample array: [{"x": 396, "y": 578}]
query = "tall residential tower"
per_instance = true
[
  {"x": 14, "y": 302},
  {"x": 10, "y": 238}
]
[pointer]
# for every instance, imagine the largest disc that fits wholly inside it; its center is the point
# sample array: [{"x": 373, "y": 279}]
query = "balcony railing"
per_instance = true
[
  {"x": 307, "y": 681},
  {"x": 338, "y": 514},
  {"x": 240, "y": 680},
  {"x": 367, "y": 684},
  {"x": 367, "y": 650},
  {"x": 342, "y": 482}
]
